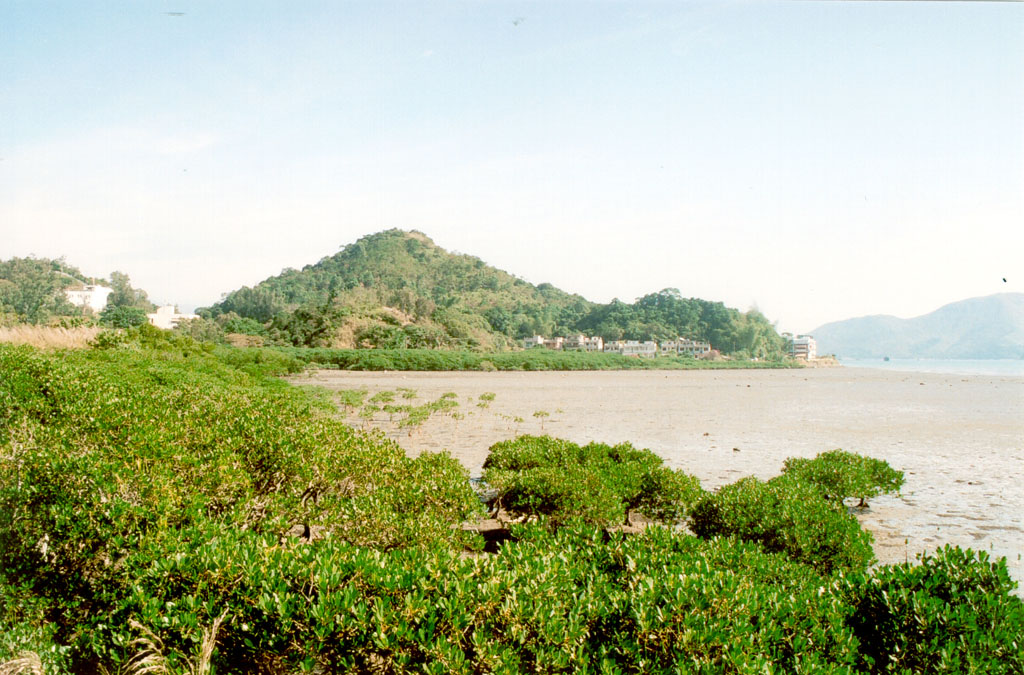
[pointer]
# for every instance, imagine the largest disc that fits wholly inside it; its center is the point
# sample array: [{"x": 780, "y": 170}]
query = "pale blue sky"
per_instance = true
[{"x": 821, "y": 160}]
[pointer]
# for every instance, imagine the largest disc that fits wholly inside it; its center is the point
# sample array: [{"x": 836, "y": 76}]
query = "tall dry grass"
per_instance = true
[
  {"x": 150, "y": 659},
  {"x": 27, "y": 663},
  {"x": 49, "y": 337}
]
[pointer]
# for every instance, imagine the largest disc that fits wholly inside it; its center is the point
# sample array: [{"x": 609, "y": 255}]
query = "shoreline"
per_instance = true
[{"x": 958, "y": 438}]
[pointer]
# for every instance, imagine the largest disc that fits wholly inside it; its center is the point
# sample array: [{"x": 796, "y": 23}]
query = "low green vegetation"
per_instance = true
[
  {"x": 406, "y": 414},
  {"x": 532, "y": 359},
  {"x": 165, "y": 502}
]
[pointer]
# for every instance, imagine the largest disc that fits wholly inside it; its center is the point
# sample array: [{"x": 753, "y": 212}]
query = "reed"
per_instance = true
[{"x": 50, "y": 337}]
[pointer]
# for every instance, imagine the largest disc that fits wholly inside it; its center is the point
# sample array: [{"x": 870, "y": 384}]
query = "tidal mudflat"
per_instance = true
[{"x": 959, "y": 439}]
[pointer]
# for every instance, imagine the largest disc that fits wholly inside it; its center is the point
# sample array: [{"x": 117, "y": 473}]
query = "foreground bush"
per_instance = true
[
  {"x": 838, "y": 474},
  {"x": 107, "y": 455},
  {"x": 595, "y": 483},
  {"x": 577, "y": 601},
  {"x": 152, "y": 495},
  {"x": 786, "y": 516},
  {"x": 951, "y": 613}
]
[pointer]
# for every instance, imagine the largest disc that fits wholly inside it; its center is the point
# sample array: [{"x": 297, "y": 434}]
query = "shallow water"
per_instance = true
[{"x": 958, "y": 438}]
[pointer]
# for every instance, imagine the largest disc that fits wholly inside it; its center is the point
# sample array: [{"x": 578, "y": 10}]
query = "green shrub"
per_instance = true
[
  {"x": 595, "y": 483},
  {"x": 954, "y": 612},
  {"x": 110, "y": 452},
  {"x": 838, "y": 474},
  {"x": 785, "y": 516}
]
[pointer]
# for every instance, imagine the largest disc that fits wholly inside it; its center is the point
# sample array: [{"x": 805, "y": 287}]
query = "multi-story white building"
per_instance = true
[
  {"x": 801, "y": 346},
  {"x": 554, "y": 343},
  {"x": 685, "y": 346},
  {"x": 535, "y": 341},
  {"x": 632, "y": 348},
  {"x": 93, "y": 297},
  {"x": 582, "y": 343}
]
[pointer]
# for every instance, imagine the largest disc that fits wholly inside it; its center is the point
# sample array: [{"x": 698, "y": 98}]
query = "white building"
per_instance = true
[
  {"x": 645, "y": 349},
  {"x": 167, "y": 317},
  {"x": 93, "y": 297},
  {"x": 582, "y": 343},
  {"x": 554, "y": 343},
  {"x": 802, "y": 346},
  {"x": 535, "y": 341},
  {"x": 681, "y": 346}
]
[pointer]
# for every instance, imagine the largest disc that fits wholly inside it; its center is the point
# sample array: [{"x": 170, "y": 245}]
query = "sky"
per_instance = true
[{"x": 815, "y": 160}]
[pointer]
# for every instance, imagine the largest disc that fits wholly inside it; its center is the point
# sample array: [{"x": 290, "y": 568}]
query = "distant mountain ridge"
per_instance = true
[{"x": 989, "y": 327}]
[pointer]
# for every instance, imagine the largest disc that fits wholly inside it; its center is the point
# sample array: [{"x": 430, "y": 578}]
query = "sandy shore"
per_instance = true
[{"x": 960, "y": 439}]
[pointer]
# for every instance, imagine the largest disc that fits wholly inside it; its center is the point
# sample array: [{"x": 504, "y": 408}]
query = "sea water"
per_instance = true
[{"x": 1007, "y": 367}]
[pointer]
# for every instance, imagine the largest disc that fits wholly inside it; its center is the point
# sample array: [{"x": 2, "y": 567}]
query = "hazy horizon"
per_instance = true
[{"x": 817, "y": 160}]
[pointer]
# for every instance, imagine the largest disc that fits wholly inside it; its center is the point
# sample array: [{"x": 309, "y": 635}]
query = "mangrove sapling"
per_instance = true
[
  {"x": 838, "y": 474},
  {"x": 352, "y": 398},
  {"x": 383, "y": 396}
]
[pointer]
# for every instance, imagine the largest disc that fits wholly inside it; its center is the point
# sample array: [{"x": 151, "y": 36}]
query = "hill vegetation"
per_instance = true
[
  {"x": 164, "y": 507},
  {"x": 398, "y": 289},
  {"x": 32, "y": 291},
  {"x": 990, "y": 327}
]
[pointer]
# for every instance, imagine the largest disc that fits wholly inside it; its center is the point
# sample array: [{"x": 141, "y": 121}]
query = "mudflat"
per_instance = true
[{"x": 959, "y": 439}]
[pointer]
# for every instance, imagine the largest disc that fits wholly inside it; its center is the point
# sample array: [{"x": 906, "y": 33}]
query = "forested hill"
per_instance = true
[
  {"x": 990, "y": 327},
  {"x": 399, "y": 289}
]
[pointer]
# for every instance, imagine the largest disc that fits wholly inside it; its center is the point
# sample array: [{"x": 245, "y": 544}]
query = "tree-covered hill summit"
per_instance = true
[{"x": 400, "y": 289}]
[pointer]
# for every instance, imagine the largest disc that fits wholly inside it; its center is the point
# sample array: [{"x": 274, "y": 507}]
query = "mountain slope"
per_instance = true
[
  {"x": 397, "y": 278},
  {"x": 990, "y": 327}
]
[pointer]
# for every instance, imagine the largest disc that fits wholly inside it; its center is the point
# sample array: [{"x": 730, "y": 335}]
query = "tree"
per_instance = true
[
  {"x": 257, "y": 303},
  {"x": 122, "y": 317},
  {"x": 125, "y": 296}
]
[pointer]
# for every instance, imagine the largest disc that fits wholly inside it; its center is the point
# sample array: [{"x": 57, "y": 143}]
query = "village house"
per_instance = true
[
  {"x": 535, "y": 341},
  {"x": 92, "y": 297},
  {"x": 582, "y": 343},
  {"x": 167, "y": 317},
  {"x": 685, "y": 347},
  {"x": 554, "y": 343},
  {"x": 646, "y": 349}
]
